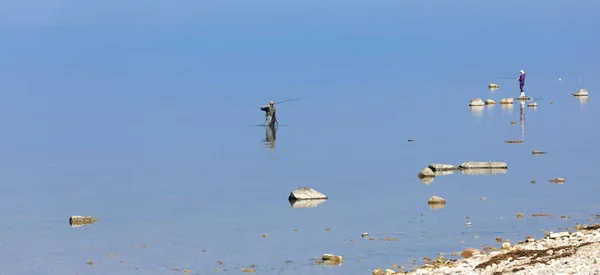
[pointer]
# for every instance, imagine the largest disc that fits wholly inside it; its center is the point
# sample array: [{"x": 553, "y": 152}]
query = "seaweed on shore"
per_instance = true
[{"x": 536, "y": 256}]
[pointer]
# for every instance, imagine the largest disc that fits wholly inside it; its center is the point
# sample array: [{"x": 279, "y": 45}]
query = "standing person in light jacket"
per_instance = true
[
  {"x": 521, "y": 80},
  {"x": 270, "y": 113}
]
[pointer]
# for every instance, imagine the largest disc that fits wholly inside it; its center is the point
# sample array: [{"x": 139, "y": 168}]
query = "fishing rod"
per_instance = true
[{"x": 288, "y": 100}]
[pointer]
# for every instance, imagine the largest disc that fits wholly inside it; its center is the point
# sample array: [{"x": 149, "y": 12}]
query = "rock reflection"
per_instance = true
[
  {"x": 427, "y": 180},
  {"x": 507, "y": 108},
  {"x": 436, "y": 206},
  {"x": 582, "y": 99},
  {"x": 477, "y": 110},
  {"x": 270, "y": 137},
  {"x": 306, "y": 203},
  {"x": 444, "y": 173},
  {"x": 522, "y": 119},
  {"x": 485, "y": 171}
]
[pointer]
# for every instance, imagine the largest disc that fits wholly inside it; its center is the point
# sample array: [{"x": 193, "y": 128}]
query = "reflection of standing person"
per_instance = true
[
  {"x": 270, "y": 136},
  {"x": 270, "y": 113},
  {"x": 522, "y": 119},
  {"x": 521, "y": 80}
]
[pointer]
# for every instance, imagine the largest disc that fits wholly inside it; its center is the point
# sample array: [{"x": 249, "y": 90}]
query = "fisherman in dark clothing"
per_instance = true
[
  {"x": 270, "y": 116},
  {"x": 521, "y": 80}
]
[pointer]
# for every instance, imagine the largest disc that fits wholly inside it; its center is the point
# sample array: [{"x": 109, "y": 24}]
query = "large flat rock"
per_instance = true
[
  {"x": 306, "y": 193},
  {"x": 483, "y": 165}
]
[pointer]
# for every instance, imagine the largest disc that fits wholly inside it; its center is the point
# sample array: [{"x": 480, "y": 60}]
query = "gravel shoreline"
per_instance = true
[{"x": 575, "y": 252}]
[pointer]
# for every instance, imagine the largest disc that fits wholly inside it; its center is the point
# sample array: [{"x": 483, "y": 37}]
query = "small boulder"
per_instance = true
[
  {"x": 483, "y": 165},
  {"x": 532, "y": 104},
  {"x": 476, "y": 102},
  {"x": 305, "y": 193},
  {"x": 389, "y": 272},
  {"x": 378, "y": 271},
  {"x": 436, "y": 200},
  {"x": 537, "y": 152},
  {"x": 581, "y": 92},
  {"x": 523, "y": 98},
  {"x": 507, "y": 100},
  {"x": 435, "y": 167},
  {"x": 330, "y": 259},
  {"x": 426, "y": 172},
  {"x": 557, "y": 180},
  {"x": 493, "y": 86},
  {"x": 470, "y": 252},
  {"x": 515, "y": 141},
  {"x": 77, "y": 221},
  {"x": 490, "y": 102}
]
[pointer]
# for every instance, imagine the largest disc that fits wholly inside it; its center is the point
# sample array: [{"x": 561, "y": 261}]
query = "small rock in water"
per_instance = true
[
  {"x": 378, "y": 271},
  {"x": 482, "y": 198},
  {"x": 557, "y": 180},
  {"x": 513, "y": 122},
  {"x": 305, "y": 193},
  {"x": 476, "y": 102},
  {"x": 330, "y": 259},
  {"x": 515, "y": 141},
  {"x": 435, "y": 167},
  {"x": 537, "y": 152},
  {"x": 411, "y": 140},
  {"x": 426, "y": 173},
  {"x": 364, "y": 234},
  {"x": 77, "y": 221},
  {"x": 509, "y": 100},
  {"x": 468, "y": 224},
  {"x": 532, "y": 104},
  {"x": 581, "y": 92},
  {"x": 499, "y": 239},
  {"x": 520, "y": 216},
  {"x": 489, "y": 102},
  {"x": 492, "y": 85},
  {"x": 533, "y": 182},
  {"x": 265, "y": 236},
  {"x": 436, "y": 200}
]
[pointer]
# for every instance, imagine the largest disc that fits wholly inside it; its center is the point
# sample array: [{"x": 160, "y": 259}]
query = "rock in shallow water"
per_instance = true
[
  {"x": 76, "y": 221},
  {"x": 476, "y": 102},
  {"x": 330, "y": 259},
  {"x": 581, "y": 92},
  {"x": 426, "y": 172},
  {"x": 436, "y": 200},
  {"x": 483, "y": 165},
  {"x": 305, "y": 193},
  {"x": 507, "y": 100},
  {"x": 490, "y": 102},
  {"x": 442, "y": 167}
]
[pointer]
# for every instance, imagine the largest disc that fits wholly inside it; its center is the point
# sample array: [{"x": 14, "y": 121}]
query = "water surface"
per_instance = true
[{"x": 144, "y": 116}]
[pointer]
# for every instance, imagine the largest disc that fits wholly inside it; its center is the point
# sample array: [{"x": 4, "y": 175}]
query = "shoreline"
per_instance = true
[{"x": 566, "y": 252}]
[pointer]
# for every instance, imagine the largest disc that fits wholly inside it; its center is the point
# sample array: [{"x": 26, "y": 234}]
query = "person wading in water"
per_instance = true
[
  {"x": 270, "y": 113},
  {"x": 521, "y": 80}
]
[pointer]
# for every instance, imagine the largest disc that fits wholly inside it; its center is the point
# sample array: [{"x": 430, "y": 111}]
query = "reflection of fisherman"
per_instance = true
[
  {"x": 522, "y": 119},
  {"x": 521, "y": 80},
  {"x": 270, "y": 117},
  {"x": 270, "y": 136}
]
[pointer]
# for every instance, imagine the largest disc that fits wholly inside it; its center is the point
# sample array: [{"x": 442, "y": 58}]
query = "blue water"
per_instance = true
[{"x": 143, "y": 114}]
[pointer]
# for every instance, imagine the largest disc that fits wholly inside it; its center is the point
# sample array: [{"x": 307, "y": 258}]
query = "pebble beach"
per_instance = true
[{"x": 576, "y": 252}]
